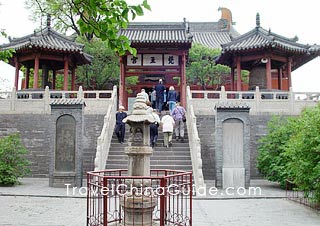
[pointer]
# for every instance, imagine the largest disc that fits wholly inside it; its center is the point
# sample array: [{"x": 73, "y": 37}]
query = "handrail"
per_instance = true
[
  {"x": 104, "y": 140},
  {"x": 194, "y": 144},
  {"x": 38, "y": 101},
  {"x": 259, "y": 101}
]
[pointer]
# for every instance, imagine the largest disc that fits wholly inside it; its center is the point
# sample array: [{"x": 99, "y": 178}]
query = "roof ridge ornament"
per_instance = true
[
  {"x": 258, "y": 20},
  {"x": 48, "y": 20}
]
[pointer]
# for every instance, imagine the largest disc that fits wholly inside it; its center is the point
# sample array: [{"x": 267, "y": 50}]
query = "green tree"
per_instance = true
[
  {"x": 5, "y": 54},
  {"x": 100, "y": 18},
  {"x": 202, "y": 70},
  {"x": 104, "y": 69},
  {"x": 272, "y": 160},
  {"x": 13, "y": 164},
  {"x": 303, "y": 149}
]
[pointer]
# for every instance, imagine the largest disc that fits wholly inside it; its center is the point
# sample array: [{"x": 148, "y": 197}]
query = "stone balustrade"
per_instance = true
[
  {"x": 104, "y": 140},
  {"x": 38, "y": 101},
  {"x": 260, "y": 102},
  {"x": 194, "y": 144}
]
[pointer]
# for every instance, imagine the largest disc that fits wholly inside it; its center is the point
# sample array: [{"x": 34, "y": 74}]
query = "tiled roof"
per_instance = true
[
  {"x": 229, "y": 105},
  {"x": 259, "y": 38},
  {"x": 50, "y": 40},
  {"x": 71, "y": 101},
  {"x": 163, "y": 33},
  {"x": 211, "y": 39},
  {"x": 210, "y": 34}
]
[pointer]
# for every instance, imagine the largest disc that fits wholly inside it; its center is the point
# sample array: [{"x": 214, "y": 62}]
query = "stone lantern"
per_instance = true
[{"x": 138, "y": 209}]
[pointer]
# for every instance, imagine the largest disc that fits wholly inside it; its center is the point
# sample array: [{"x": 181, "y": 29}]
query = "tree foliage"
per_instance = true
[
  {"x": 100, "y": 18},
  {"x": 12, "y": 160},
  {"x": 272, "y": 160},
  {"x": 303, "y": 149},
  {"x": 202, "y": 69},
  {"x": 5, "y": 54},
  {"x": 104, "y": 69},
  {"x": 291, "y": 151}
]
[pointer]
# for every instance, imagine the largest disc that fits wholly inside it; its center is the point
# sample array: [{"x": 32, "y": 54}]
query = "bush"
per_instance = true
[
  {"x": 272, "y": 160},
  {"x": 291, "y": 151},
  {"x": 12, "y": 160},
  {"x": 304, "y": 150}
]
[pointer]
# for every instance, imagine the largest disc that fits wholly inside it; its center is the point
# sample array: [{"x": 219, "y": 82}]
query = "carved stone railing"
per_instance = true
[
  {"x": 38, "y": 102},
  {"x": 260, "y": 102},
  {"x": 194, "y": 144},
  {"x": 104, "y": 140}
]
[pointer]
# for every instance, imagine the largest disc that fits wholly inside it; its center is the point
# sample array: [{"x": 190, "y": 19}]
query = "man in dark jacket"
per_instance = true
[
  {"x": 120, "y": 126},
  {"x": 159, "y": 95}
]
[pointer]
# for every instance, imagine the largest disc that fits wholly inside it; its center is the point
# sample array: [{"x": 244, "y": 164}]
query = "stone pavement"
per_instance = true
[{"x": 34, "y": 203}]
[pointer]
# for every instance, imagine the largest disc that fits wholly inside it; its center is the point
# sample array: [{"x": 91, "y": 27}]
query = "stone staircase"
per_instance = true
[{"x": 176, "y": 157}]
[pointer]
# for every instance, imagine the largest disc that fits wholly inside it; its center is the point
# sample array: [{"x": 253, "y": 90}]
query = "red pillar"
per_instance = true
[
  {"x": 289, "y": 72},
  {"x": 232, "y": 79},
  {"x": 280, "y": 78},
  {"x": 238, "y": 74},
  {"x": 27, "y": 77},
  {"x": 65, "y": 74},
  {"x": 122, "y": 84},
  {"x": 73, "y": 79},
  {"x": 16, "y": 78},
  {"x": 54, "y": 74},
  {"x": 36, "y": 72},
  {"x": 268, "y": 74},
  {"x": 183, "y": 82}
]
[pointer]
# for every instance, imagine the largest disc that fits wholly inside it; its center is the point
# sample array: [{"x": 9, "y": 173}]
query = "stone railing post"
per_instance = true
[
  {"x": 223, "y": 96},
  {"x": 13, "y": 99},
  {"x": 292, "y": 101},
  {"x": 46, "y": 100},
  {"x": 80, "y": 93},
  {"x": 257, "y": 98}
]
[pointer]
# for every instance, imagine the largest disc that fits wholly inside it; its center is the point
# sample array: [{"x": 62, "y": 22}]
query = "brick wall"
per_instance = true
[
  {"x": 35, "y": 135},
  {"x": 206, "y": 128}
]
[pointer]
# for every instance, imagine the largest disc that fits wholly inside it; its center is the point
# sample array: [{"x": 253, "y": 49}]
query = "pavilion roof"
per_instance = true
[
  {"x": 49, "y": 40},
  {"x": 259, "y": 39},
  {"x": 262, "y": 40}
]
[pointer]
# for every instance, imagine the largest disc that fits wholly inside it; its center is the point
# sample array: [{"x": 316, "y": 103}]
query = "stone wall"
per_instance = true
[
  {"x": 206, "y": 128},
  {"x": 35, "y": 134}
]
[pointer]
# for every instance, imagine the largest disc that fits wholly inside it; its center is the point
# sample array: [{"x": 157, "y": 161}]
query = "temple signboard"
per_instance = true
[{"x": 153, "y": 60}]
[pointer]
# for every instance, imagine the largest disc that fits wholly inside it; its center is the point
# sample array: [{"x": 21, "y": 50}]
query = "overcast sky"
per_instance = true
[{"x": 284, "y": 17}]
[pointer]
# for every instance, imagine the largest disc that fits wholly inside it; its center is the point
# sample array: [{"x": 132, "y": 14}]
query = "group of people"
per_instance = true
[
  {"x": 161, "y": 99},
  {"x": 173, "y": 120}
]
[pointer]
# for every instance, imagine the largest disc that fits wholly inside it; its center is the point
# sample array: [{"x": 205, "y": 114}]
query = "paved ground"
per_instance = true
[{"x": 35, "y": 204}]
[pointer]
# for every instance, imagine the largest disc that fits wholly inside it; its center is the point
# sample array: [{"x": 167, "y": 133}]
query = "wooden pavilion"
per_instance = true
[
  {"x": 269, "y": 57},
  {"x": 47, "y": 50}
]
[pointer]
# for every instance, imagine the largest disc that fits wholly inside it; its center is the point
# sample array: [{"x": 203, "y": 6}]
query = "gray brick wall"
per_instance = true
[
  {"x": 35, "y": 135},
  {"x": 92, "y": 128},
  {"x": 206, "y": 125}
]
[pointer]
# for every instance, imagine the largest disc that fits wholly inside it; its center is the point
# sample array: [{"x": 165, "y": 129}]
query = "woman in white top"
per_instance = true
[{"x": 167, "y": 124}]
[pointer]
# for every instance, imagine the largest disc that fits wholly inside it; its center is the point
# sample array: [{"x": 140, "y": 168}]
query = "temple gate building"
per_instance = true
[{"x": 162, "y": 50}]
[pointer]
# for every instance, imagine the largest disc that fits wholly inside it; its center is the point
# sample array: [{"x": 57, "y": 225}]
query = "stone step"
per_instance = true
[
  {"x": 152, "y": 162},
  {"x": 157, "y": 157},
  {"x": 171, "y": 167},
  {"x": 158, "y": 145}
]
